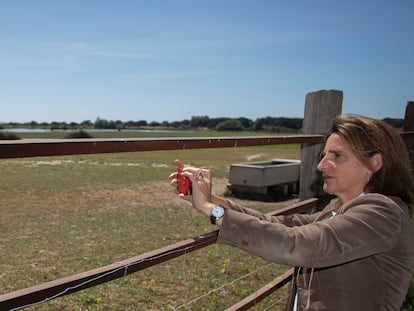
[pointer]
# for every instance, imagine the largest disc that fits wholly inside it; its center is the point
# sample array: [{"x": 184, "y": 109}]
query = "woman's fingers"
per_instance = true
[{"x": 200, "y": 182}]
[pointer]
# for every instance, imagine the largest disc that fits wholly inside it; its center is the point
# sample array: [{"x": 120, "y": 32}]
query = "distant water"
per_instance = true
[{"x": 24, "y": 130}]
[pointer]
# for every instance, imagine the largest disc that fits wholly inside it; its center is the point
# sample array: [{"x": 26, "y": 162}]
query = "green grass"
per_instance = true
[{"x": 65, "y": 215}]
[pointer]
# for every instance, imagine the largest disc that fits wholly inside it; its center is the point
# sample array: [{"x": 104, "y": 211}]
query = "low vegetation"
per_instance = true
[
  {"x": 65, "y": 215},
  {"x": 78, "y": 134},
  {"x": 8, "y": 136}
]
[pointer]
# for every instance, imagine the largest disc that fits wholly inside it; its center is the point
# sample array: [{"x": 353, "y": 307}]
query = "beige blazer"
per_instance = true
[{"x": 355, "y": 256}]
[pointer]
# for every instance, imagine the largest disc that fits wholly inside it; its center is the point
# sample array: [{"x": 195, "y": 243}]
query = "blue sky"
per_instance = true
[{"x": 169, "y": 60}]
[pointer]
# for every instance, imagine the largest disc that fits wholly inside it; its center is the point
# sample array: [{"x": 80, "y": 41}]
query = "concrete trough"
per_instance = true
[{"x": 277, "y": 175}]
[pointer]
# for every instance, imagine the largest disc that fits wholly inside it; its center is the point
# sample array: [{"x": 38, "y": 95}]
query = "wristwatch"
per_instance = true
[{"x": 216, "y": 213}]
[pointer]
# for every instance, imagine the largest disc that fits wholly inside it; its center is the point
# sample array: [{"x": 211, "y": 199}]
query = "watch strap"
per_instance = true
[{"x": 213, "y": 219}]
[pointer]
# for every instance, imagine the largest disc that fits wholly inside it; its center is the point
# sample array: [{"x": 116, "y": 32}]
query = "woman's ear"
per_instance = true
[{"x": 376, "y": 162}]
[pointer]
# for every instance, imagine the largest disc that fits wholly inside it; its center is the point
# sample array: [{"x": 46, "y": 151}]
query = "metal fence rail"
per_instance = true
[
  {"x": 58, "y": 147},
  {"x": 68, "y": 285},
  {"x": 47, "y": 147}
]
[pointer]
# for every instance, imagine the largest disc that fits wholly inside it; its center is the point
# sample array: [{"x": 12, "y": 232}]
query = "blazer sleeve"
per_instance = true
[
  {"x": 367, "y": 225},
  {"x": 288, "y": 220}
]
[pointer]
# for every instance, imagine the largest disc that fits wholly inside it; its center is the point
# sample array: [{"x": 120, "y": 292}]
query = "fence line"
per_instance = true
[
  {"x": 262, "y": 293},
  {"x": 68, "y": 285},
  {"x": 58, "y": 147},
  {"x": 50, "y": 290},
  {"x": 222, "y": 286}
]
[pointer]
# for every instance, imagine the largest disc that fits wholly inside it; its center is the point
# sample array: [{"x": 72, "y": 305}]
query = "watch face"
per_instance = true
[{"x": 217, "y": 211}]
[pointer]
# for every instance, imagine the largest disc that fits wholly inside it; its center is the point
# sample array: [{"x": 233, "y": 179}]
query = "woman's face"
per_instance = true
[{"x": 344, "y": 175}]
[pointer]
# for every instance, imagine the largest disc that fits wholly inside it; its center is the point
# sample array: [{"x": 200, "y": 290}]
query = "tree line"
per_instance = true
[{"x": 268, "y": 124}]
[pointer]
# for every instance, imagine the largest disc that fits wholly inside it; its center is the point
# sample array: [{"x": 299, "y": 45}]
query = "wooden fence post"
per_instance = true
[
  {"x": 409, "y": 126},
  {"x": 320, "y": 108}
]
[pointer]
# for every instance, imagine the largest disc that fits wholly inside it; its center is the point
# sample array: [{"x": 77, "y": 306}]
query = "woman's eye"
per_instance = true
[{"x": 331, "y": 156}]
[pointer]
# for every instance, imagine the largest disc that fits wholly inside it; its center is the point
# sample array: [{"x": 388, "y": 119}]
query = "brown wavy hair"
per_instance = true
[{"x": 368, "y": 137}]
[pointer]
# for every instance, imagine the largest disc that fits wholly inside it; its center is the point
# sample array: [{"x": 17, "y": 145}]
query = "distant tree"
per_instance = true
[
  {"x": 292, "y": 123},
  {"x": 155, "y": 124},
  {"x": 111, "y": 125},
  {"x": 185, "y": 124},
  {"x": 258, "y": 124},
  {"x": 212, "y": 124},
  {"x": 118, "y": 124},
  {"x": 101, "y": 123},
  {"x": 245, "y": 123},
  {"x": 136, "y": 123},
  {"x": 199, "y": 121},
  {"x": 86, "y": 123},
  {"x": 397, "y": 123},
  {"x": 278, "y": 124},
  {"x": 54, "y": 125},
  {"x": 175, "y": 124},
  {"x": 142, "y": 123},
  {"x": 229, "y": 125}
]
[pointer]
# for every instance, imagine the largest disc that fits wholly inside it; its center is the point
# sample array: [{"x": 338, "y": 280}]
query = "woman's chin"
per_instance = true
[{"x": 327, "y": 189}]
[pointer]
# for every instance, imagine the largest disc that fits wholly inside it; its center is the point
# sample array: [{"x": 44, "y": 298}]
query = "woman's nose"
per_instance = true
[{"x": 321, "y": 165}]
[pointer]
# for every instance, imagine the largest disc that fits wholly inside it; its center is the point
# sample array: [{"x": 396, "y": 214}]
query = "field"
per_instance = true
[{"x": 65, "y": 215}]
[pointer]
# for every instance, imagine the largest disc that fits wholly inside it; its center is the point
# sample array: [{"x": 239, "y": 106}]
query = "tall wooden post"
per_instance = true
[
  {"x": 320, "y": 109},
  {"x": 409, "y": 126}
]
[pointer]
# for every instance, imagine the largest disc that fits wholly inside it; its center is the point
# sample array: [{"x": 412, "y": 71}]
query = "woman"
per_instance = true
[{"x": 356, "y": 254}]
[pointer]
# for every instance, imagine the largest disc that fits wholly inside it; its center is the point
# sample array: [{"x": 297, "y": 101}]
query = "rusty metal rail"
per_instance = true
[
  {"x": 68, "y": 285},
  {"x": 48, "y": 147},
  {"x": 262, "y": 293},
  {"x": 58, "y": 147}
]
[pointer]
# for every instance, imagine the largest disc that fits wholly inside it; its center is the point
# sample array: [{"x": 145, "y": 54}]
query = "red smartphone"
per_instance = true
[{"x": 183, "y": 183}]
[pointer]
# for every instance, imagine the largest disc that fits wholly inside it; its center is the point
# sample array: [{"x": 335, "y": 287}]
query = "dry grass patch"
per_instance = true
[{"x": 61, "y": 216}]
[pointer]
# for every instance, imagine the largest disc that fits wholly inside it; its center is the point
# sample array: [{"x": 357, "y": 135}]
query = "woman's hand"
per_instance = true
[{"x": 200, "y": 179}]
